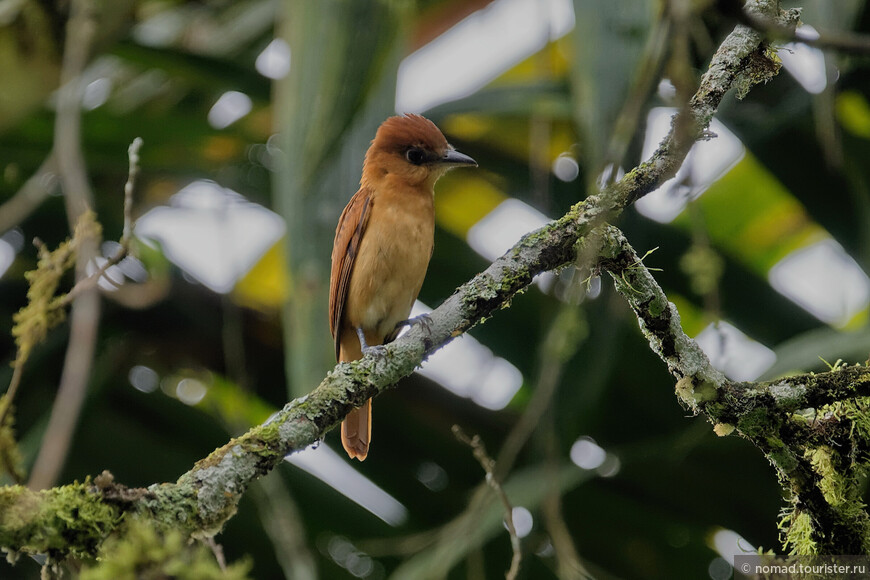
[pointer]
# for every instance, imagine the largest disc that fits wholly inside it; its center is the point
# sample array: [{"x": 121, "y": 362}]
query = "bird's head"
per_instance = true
[{"x": 413, "y": 149}]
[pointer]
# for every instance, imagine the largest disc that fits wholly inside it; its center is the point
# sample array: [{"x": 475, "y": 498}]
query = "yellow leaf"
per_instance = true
[
  {"x": 853, "y": 112},
  {"x": 461, "y": 203},
  {"x": 266, "y": 285}
]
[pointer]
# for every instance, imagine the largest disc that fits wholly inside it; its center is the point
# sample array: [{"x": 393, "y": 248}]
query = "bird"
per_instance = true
[{"x": 383, "y": 242}]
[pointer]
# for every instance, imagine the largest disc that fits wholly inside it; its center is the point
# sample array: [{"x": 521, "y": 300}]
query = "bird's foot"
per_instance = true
[
  {"x": 424, "y": 320},
  {"x": 377, "y": 350}
]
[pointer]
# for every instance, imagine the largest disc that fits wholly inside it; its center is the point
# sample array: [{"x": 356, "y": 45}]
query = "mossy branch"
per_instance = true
[
  {"x": 842, "y": 41},
  {"x": 45, "y": 309},
  {"x": 202, "y": 499},
  {"x": 813, "y": 428}
]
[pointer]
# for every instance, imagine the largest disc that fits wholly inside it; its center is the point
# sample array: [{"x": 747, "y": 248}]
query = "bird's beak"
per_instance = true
[{"x": 454, "y": 158}]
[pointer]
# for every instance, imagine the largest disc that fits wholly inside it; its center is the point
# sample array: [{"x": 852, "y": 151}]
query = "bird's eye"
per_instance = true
[{"x": 415, "y": 155}]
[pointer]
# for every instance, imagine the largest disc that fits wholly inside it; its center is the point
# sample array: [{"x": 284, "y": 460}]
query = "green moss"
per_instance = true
[
  {"x": 44, "y": 309},
  {"x": 534, "y": 239},
  {"x": 723, "y": 429},
  {"x": 833, "y": 485},
  {"x": 170, "y": 505},
  {"x": 856, "y": 412},
  {"x": 657, "y": 306},
  {"x": 796, "y": 533},
  {"x": 10, "y": 457},
  {"x": 755, "y": 423},
  {"x": 263, "y": 440},
  {"x": 803, "y": 417},
  {"x": 715, "y": 411},
  {"x": 861, "y": 380},
  {"x": 838, "y": 468},
  {"x": 268, "y": 432},
  {"x": 693, "y": 395},
  {"x": 142, "y": 551},
  {"x": 64, "y": 521},
  {"x": 760, "y": 67},
  {"x": 626, "y": 186},
  {"x": 780, "y": 455},
  {"x": 484, "y": 293},
  {"x": 706, "y": 392},
  {"x": 215, "y": 457}
]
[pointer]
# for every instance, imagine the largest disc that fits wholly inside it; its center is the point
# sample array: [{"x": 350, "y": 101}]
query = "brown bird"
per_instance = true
[{"x": 383, "y": 243}]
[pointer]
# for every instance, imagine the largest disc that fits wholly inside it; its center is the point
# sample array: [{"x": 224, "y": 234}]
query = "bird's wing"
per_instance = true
[{"x": 348, "y": 234}]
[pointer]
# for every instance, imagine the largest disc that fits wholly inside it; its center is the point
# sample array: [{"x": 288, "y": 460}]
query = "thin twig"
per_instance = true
[
  {"x": 70, "y": 394},
  {"x": 92, "y": 280},
  {"x": 81, "y": 29},
  {"x": 562, "y": 330},
  {"x": 34, "y": 191},
  {"x": 84, "y": 321},
  {"x": 561, "y": 342},
  {"x": 842, "y": 41},
  {"x": 488, "y": 465},
  {"x": 284, "y": 526},
  {"x": 10, "y": 393},
  {"x": 568, "y": 563},
  {"x": 218, "y": 552},
  {"x": 625, "y": 126},
  {"x": 9, "y": 455},
  {"x": 133, "y": 157}
]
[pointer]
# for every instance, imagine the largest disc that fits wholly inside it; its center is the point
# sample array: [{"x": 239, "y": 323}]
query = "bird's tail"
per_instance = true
[{"x": 356, "y": 431}]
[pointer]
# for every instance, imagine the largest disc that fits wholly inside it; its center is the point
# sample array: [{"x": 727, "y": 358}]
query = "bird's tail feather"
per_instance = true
[{"x": 356, "y": 431}]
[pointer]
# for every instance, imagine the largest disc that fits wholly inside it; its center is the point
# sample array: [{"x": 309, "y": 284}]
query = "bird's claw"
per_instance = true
[
  {"x": 424, "y": 320},
  {"x": 377, "y": 350}
]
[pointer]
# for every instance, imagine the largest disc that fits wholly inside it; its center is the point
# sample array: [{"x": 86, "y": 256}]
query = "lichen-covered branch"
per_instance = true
[
  {"x": 659, "y": 319},
  {"x": 814, "y": 428},
  {"x": 842, "y": 41},
  {"x": 201, "y": 501}
]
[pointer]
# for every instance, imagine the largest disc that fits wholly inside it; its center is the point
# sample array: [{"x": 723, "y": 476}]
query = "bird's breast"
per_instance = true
[{"x": 391, "y": 264}]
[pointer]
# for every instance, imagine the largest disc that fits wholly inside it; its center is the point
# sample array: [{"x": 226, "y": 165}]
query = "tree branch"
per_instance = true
[
  {"x": 91, "y": 281},
  {"x": 31, "y": 195},
  {"x": 659, "y": 319},
  {"x": 805, "y": 424},
  {"x": 842, "y": 41},
  {"x": 488, "y": 465}
]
